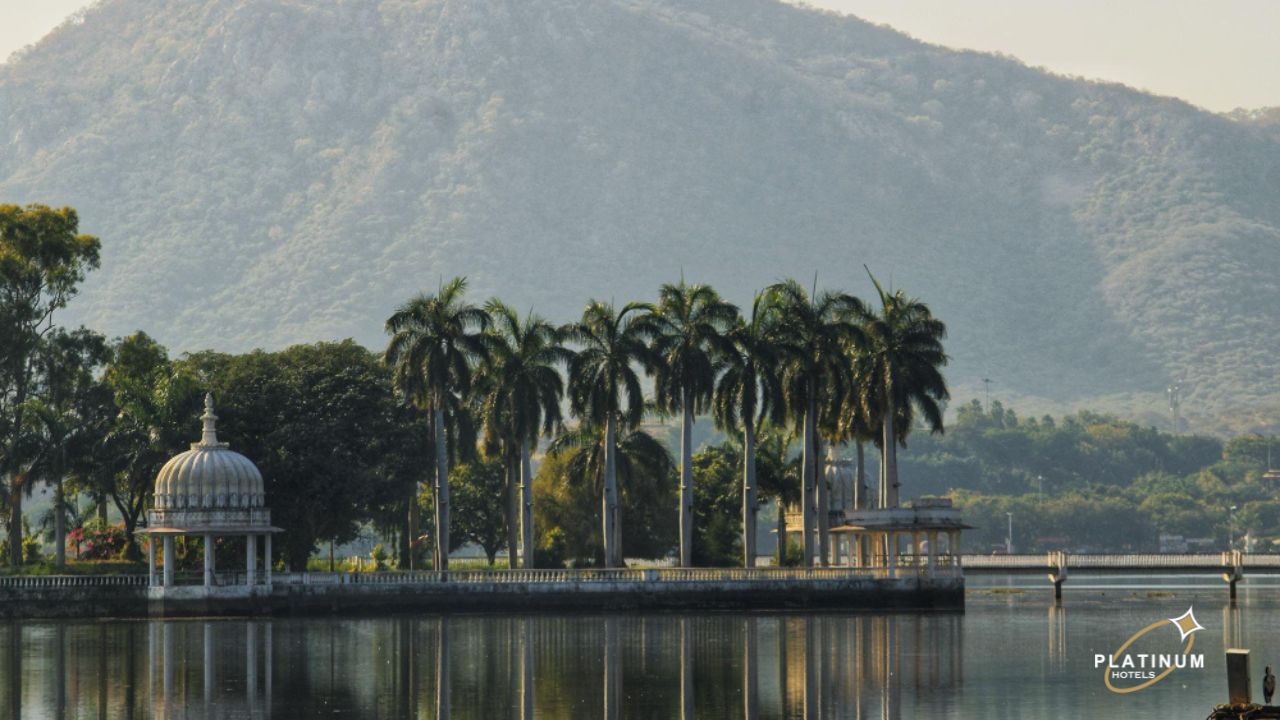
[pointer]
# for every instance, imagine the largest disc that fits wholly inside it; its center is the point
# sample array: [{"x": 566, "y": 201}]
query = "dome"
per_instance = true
[{"x": 209, "y": 476}]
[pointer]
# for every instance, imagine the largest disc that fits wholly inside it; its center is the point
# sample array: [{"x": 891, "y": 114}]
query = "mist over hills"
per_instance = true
[{"x": 264, "y": 172}]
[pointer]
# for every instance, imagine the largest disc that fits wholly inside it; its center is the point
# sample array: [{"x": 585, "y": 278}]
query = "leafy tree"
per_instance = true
[
  {"x": 435, "y": 342},
  {"x": 748, "y": 392},
  {"x": 158, "y": 405},
  {"x": 323, "y": 426},
  {"x": 718, "y": 498},
  {"x": 478, "y": 518},
  {"x": 815, "y": 337},
  {"x": 43, "y": 260},
  {"x": 520, "y": 389},
  {"x": 605, "y": 393},
  {"x": 63, "y": 414},
  {"x": 689, "y": 326}
]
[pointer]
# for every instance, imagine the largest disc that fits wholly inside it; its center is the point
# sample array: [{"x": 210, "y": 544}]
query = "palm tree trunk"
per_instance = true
[
  {"x": 686, "y": 483},
  {"x": 15, "y": 520},
  {"x": 748, "y": 494},
  {"x": 824, "y": 503},
  {"x": 102, "y": 509},
  {"x": 513, "y": 506},
  {"x": 807, "y": 509},
  {"x": 890, "y": 458},
  {"x": 442, "y": 491},
  {"x": 60, "y": 525},
  {"x": 782, "y": 532},
  {"x": 410, "y": 545},
  {"x": 526, "y": 505},
  {"x": 860, "y": 481},
  {"x": 610, "y": 500}
]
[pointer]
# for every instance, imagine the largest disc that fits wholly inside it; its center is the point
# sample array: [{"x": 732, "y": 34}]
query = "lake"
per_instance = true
[{"x": 1012, "y": 654}]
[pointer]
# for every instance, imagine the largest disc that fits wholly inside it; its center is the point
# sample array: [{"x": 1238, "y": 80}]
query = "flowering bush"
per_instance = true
[{"x": 97, "y": 540}]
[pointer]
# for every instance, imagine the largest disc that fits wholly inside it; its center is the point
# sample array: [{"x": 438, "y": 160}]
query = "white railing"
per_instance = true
[
  {"x": 588, "y": 576},
  {"x": 1122, "y": 561},
  {"x": 72, "y": 581}
]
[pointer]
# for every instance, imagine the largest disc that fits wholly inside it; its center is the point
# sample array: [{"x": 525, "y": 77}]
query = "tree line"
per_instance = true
[
  {"x": 345, "y": 437},
  {"x": 1090, "y": 481}
]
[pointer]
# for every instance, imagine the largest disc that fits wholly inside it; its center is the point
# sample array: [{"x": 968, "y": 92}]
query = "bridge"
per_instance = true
[{"x": 1232, "y": 565}]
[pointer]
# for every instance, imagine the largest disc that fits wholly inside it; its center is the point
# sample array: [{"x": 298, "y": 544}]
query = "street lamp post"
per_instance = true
[{"x": 1008, "y": 539}]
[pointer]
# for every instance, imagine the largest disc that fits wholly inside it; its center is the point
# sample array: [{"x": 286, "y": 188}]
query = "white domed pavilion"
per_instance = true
[{"x": 210, "y": 491}]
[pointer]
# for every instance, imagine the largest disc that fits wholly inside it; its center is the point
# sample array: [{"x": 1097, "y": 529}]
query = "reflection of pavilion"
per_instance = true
[
  {"x": 209, "y": 492},
  {"x": 863, "y": 535},
  {"x": 177, "y": 652}
]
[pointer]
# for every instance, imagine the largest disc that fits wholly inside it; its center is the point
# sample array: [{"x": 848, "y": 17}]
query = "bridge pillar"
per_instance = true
[
  {"x": 1234, "y": 562},
  {"x": 1058, "y": 562}
]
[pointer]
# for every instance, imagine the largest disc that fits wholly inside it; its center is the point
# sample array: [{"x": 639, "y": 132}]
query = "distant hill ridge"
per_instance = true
[{"x": 265, "y": 172}]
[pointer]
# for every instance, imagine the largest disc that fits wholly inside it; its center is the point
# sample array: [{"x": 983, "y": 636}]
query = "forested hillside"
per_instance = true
[{"x": 264, "y": 172}]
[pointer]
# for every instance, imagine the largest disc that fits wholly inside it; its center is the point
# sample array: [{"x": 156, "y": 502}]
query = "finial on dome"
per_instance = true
[{"x": 210, "y": 434}]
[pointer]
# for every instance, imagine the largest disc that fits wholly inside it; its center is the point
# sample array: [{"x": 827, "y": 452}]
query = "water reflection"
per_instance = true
[{"x": 617, "y": 666}]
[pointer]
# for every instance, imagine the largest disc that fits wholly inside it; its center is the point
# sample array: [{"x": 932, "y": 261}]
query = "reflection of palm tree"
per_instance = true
[
  {"x": 604, "y": 391},
  {"x": 747, "y": 393},
  {"x": 689, "y": 324},
  {"x": 435, "y": 339},
  {"x": 520, "y": 401},
  {"x": 900, "y": 368},
  {"x": 816, "y": 337}
]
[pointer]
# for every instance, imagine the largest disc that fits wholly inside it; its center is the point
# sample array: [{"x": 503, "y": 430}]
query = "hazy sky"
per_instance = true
[{"x": 1220, "y": 54}]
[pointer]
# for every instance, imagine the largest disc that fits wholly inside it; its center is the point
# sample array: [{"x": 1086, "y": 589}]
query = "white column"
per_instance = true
[
  {"x": 209, "y": 551},
  {"x": 266, "y": 559},
  {"x": 151, "y": 560},
  {"x": 915, "y": 550},
  {"x": 169, "y": 560},
  {"x": 250, "y": 558},
  {"x": 933, "y": 552}
]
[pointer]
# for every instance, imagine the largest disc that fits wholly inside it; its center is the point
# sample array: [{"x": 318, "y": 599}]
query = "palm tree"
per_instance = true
[
  {"x": 643, "y": 463},
  {"x": 815, "y": 336},
  {"x": 605, "y": 391},
  {"x": 690, "y": 321},
  {"x": 435, "y": 341},
  {"x": 901, "y": 364},
  {"x": 778, "y": 476},
  {"x": 749, "y": 392},
  {"x": 851, "y": 426},
  {"x": 521, "y": 392}
]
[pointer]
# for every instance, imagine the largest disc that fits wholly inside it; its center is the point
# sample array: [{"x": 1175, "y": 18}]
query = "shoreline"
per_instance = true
[{"x": 336, "y": 594}]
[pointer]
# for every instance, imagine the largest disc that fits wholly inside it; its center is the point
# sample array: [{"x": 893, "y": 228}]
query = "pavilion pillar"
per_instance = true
[
  {"x": 891, "y": 552},
  {"x": 169, "y": 560},
  {"x": 953, "y": 548},
  {"x": 266, "y": 559},
  {"x": 915, "y": 550},
  {"x": 933, "y": 552},
  {"x": 209, "y": 551},
  {"x": 151, "y": 560},
  {"x": 250, "y": 558}
]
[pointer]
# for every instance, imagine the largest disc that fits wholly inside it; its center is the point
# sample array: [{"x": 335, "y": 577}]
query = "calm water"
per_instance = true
[{"x": 1011, "y": 655}]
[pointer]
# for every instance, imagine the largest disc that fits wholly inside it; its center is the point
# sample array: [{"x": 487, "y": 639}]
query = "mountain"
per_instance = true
[{"x": 264, "y": 172}]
